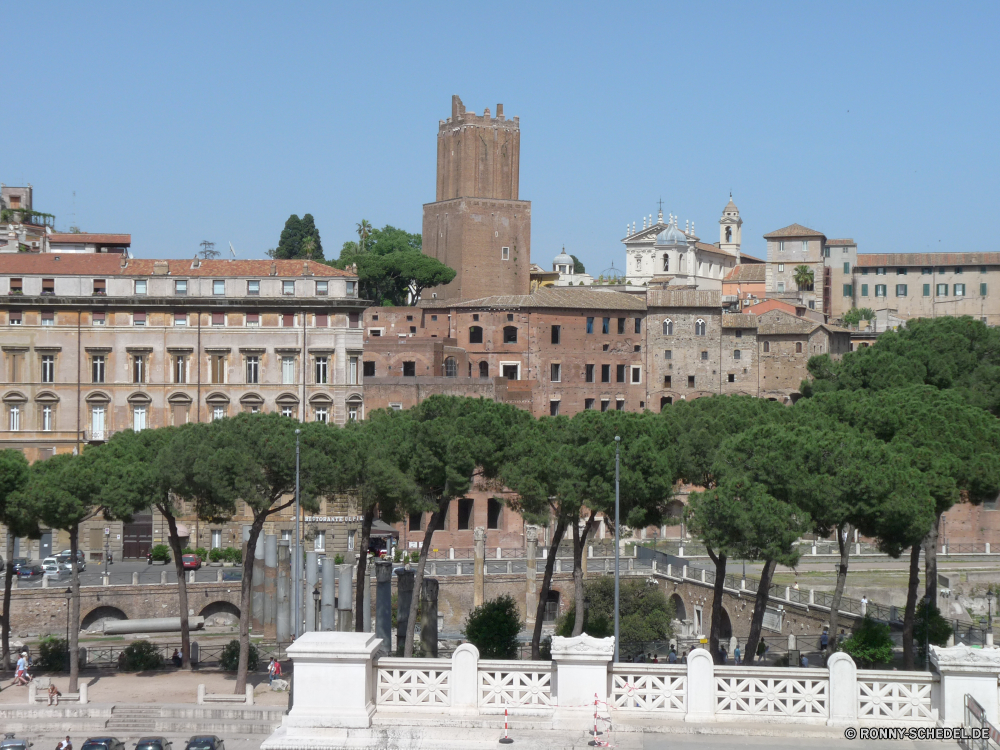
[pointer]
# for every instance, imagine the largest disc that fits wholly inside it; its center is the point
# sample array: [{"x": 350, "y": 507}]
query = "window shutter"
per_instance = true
[
  {"x": 288, "y": 320},
  {"x": 218, "y": 319},
  {"x": 253, "y": 318},
  {"x": 321, "y": 320},
  {"x": 139, "y": 317},
  {"x": 352, "y": 319}
]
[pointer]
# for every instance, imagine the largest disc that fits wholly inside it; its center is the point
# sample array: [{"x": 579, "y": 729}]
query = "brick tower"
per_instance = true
[{"x": 476, "y": 224}]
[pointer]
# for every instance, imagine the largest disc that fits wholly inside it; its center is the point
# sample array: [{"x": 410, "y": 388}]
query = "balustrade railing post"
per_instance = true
[
  {"x": 700, "y": 686},
  {"x": 465, "y": 680}
]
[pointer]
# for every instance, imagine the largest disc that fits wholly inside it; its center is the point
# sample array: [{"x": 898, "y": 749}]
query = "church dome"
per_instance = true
[
  {"x": 671, "y": 236},
  {"x": 563, "y": 263}
]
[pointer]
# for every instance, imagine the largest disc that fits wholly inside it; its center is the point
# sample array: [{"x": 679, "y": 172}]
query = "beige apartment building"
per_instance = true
[{"x": 94, "y": 343}]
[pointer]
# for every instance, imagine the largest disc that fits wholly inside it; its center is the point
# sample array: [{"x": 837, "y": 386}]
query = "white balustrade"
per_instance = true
[
  {"x": 515, "y": 684},
  {"x": 649, "y": 687},
  {"x": 414, "y": 682},
  {"x": 744, "y": 692},
  {"x": 896, "y": 696}
]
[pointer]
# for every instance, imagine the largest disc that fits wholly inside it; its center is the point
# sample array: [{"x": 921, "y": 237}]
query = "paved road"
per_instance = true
[
  {"x": 46, "y": 740},
  {"x": 121, "y": 573}
]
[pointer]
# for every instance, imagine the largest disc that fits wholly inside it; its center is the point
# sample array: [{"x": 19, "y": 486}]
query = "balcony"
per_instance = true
[{"x": 97, "y": 436}]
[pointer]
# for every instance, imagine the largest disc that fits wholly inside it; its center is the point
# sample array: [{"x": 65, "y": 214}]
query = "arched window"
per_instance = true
[
  {"x": 510, "y": 334},
  {"x": 484, "y": 370},
  {"x": 699, "y": 327},
  {"x": 767, "y": 346},
  {"x": 668, "y": 327},
  {"x": 729, "y": 234},
  {"x": 450, "y": 368},
  {"x": 798, "y": 347},
  {"x": 666, "y": 263},
  {"x": 475, "y": 335}
]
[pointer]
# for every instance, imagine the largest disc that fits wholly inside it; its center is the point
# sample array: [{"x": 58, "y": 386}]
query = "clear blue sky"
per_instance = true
[{"x": 180, "y": 122}]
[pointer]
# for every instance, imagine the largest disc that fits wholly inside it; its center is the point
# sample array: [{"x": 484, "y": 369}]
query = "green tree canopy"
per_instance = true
[
  {"x": 19, "y": 521},
  {"x": 299, "y": 239},
  {"x": 578, "y": 266}
]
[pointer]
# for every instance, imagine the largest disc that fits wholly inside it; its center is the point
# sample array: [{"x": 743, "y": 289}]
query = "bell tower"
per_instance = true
[
  {"x": 730, "y": 229},
  {"x": 477, "y": 224}
]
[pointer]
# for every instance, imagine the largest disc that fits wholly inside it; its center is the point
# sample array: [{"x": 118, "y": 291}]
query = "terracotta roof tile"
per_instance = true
[
  {"x": 683, "y": 298},
  {"x": 560, "y": 297},
  {"x": 747, "y": 273},
  {"x": 99, "y": 239},
  {"x": 794, "y": 230},
  {"x": 101, "y": 264},
  {"x": 871, "y": 260},
  {"x": 739, "y": 320},
  {"x": 780, "y": 322}
]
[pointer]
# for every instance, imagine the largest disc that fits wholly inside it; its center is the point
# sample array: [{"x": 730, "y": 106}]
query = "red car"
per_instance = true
[{"x": 191, "y": 562}]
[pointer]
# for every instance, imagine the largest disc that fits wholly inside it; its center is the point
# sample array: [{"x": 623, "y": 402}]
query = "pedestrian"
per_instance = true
[
  {"x": 121, "y": 660},
  {"x": 684, "y": 657},
  {"x": 736, "y": 655},
  {"x": 21, "y": 676},
  {"x": 53, "y": 694},
  {"x": 672, "y": 656},
  {"x": 864, "y": 605},
  {"x": 656, "y": 658},
  {"x": 277, "y": 669},
  {"x": 722, "y": 654},
  {"x": 824, "y": 639},
  {"x": 176, "y": 658},
  {"x": 270, "y": 671},
  {"x": 66, "y": 744},
  {"x": 805, "y": 660}
]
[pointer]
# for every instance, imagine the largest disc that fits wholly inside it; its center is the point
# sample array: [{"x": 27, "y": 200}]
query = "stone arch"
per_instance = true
[
  {"x": 47, "y": 397},
  {"x": 220, "y": 613},
  {"x": 675, "y": 509},
  {"x": 725, "y": 629},
  {"x": 95, "y": 618},
  {"x": 680, "y": 609}
]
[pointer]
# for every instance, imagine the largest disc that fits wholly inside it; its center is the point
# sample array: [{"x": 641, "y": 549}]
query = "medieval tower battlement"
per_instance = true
[{"x": 477, "y": 225}]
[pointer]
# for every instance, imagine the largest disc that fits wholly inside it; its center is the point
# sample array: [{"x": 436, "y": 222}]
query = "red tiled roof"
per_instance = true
[
  {"x": 870, "y": 260},
  {"x": 100, "y": 264},
  {"x": 750, "y": 272},
  {"x": 93, "y": 239},
  {"x": 793, "y": 230}
]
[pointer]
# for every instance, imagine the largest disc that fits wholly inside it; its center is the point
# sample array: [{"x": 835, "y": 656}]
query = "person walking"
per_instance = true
[
  {"x": 270, "y": 671},
  {"x": 21, "y": 676},
  {"x": 66, "y": 744},
  {"x": 736, "y": 655},
  {"x": 672, "y": 656}
]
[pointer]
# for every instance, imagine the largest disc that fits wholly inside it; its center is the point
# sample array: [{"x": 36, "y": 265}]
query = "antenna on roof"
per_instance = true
[{"x": 231, "y": 249}]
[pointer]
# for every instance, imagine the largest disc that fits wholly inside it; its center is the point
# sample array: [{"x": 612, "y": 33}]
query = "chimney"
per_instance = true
[
  {"x": 196, "y": 263},
  {"x": 499, "y": 111},
  {"x": 160, "y": 268},
  {"x": 274, "y": 269},
  {"x": 123, "y": 263}
]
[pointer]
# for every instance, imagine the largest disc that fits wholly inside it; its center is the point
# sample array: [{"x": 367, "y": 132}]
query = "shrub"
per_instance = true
[
  {"x": 52, "y": 654},
  {"x": 161, "y": 553},
  {"x": 397, "y": 556},
  {"x": 215, "y": 555},
  {"x": 869, "y": 645},
  {"x": 929, "y": 625},
  {"x": 202, "y": 553},
  {"x": 232, "y": 554},
  {"x": 492, "y": 627},
  {"x": 187, "y": 551},
  {"x": 338, "y": 559},
  {"x": 140, "y": 656},
  {"x": 229, "y": 659}
]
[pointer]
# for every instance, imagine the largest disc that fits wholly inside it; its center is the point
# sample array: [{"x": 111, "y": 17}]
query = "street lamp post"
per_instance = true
[
  {"x": 618, "y": 442},
  {"x": 297, "y": 558},
  {"x": 989, "y": 611},
  {"x": 315, "y": 616},
  {"x": 69, "y": 596}
]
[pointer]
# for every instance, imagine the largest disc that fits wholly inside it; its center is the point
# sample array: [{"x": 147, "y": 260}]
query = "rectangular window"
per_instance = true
[
  {"x": 736, "y": 354},
  {"x": 48, "y": 412},
  {"x": 48, "y": 318},
  {"x": 900, "y": 290},
  {"x": 864, "y": 271},
  {"x": 138, "y": 368},
  {"x": 352, "y": 288},
  {"x": 97, "y": 368},
  {"x": 590, "y": 325},
  {"x": 620, "y": 373},
  {"x": 288, "y": 288},
  {"x": 415, "y": 521},
  {"x": 926, "y": 271},
  {"x": 668, "y": 354},
  {"x": 636, "y": 374},
  {"x": 16, "y": 286},
  {"x": 781, "y": 268},
  {"x": 958, "y": 269},
  {"x": 288, "y": 370},
  {"x": 322, "y": 288},
  {"x": 15, "y": 418},
  {"x": 218, "y": 362},
  {"x": 253, "y": 288},
  {"x": 880, "y": 290},
  {"x": 606, "y": 325},
  {"x": 588, "y": 373},
  {"x": 319, "y": 541},
  {"x": 704, "y": 356},
  {"x": 139, "y": 319},
  {"x": 410, "y": 370},
  {"x": 901, "y": 272},
  {"x": 732, "y": 377},
  {"x": 864, "y": 290},
  {"x": 555, "y": 372},
  {"x": 219, "y": 287},
  {"x": 505, "y": 253},
  {"x": 621, "y": 325},
  {"x": 588, "y": 404},
  {"x": 140, "y": 286},
  {"x": 138, "y": 418},
  {"x": 218, "y": 412},
  {"x": 253, "y": 320},
  {"x": 288, "y": 320},
  {"x": 368, "y": 369},
  {"x": 48, "y": 368},
  {"x": 100, "y": 287},
  {"x": 982, "y": 269},
  {"x": 880, "y": 272},
  {"x": 781, "y": 246},
  {"x": 465, "y": 509},
  {"x": 605, "y": 403},
  {"x": 959, "y": 290},
  {"x": 253, "y": 369},
  {"x": 739, "y": 333},
  {"x": 847, "y": 266},
  {"x": 619, "y": 404},
  {"x": 553, "y": 408},
  {"x": 180, "y": 287},
  {"x": 321, "y": 320},
  {"x": 493, "y": 513},
  {"x": 351, "y": 534},
  {"x": 352, "y": 371},
  {"x": 982, "y": 289},
  {"x": 848, "y": 290},
  {"x": 941, "y": 290},
  {"x": 667, "y": 381},
  {"x": 781, "y": 286},
  {"x": 98, "y": 318},
  {"x": 180, "y": 319},
  {"x": 556, "y": 331},
  {"x": 322, "y": 414},
  {"x": 690, "y": 381},
  {"x": 605, "y": 373},
  {"x": 927, "y": 290},
  {"x": 287, "y": 411},
  {"x": 49, "y": 286},
  {"x": 180, "y": 369},
  {"x": 638, "y": 325},
  {"x": 218, "y": 319},
  {"x": 321, "y": 370}
]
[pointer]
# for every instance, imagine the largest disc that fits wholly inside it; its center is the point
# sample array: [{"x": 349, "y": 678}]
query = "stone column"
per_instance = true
[
  {"x": 531, "y": 597},
  {"x": 581, "y": 666},
  {"x": 404, "y": 595},
  {"x": 479, "y": 567},
  {"x": 383, "y": 604},
  {"x": 283, "y": 619},
  {"x": 700, "y": 686},
  {"x": 345, "y": 620},
  {"x": 312, "y": 576},
  {"x": 327, "y": 612},
  {"x": 966, "y": 671},
  {"x": 366, "y": 604},
  {"x": 429, "y": 617},
  {"x": 257, "y": 588},
  {"x": 270, "y": 584},
  {"x": 843, "y": 690}
]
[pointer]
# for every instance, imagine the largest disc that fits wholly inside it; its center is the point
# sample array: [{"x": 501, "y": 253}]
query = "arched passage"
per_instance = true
[
  {"x": 726, "y": 629},
  {"x": 680, "y": 611},
  {"x": 220, "y": 613},
  {"x": 95, "y": 619}
]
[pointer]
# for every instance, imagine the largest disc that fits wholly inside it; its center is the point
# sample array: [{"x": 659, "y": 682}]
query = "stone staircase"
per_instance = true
[{"x": 132, "y": 719}]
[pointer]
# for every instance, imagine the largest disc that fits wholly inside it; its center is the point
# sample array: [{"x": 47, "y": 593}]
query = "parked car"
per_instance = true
[
  {"x": 10, "y": 742},
  {"x": 66, "y": 555},
  {"x": 153, "y": 743},
  {"x": 30, "y": 571},
  {"x": 53, "y": 570},
  {"x": 62, "y": 565},
  {"x": 103, "y": 743},
  {"x": 205, "y": 742},
  {"x": 18, "y": 562},
  {"x": 191, "y": 562}
]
